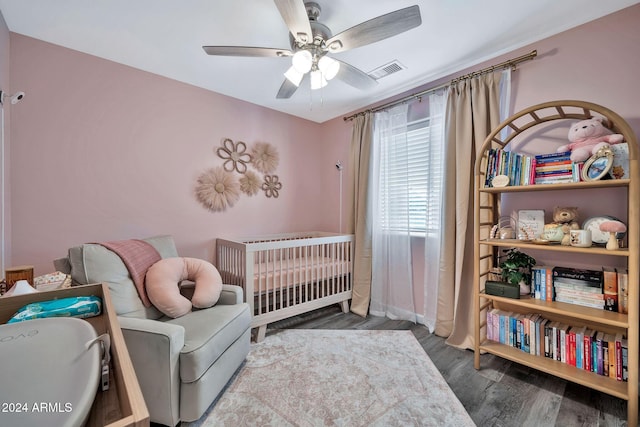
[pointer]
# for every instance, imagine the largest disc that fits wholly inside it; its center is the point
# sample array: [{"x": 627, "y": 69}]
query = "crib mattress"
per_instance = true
[
  {"x": 49, "y": 377},
  {"x": 284, "y": 274}
]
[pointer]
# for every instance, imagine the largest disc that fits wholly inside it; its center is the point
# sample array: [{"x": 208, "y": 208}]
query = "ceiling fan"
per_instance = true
[{"x": 312, "y": 41}]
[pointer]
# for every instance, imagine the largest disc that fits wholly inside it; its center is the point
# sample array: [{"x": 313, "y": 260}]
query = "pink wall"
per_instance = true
[{"x": 102, "y": 151}]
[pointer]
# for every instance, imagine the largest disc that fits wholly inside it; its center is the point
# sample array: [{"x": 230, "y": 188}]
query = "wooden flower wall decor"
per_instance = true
[
  {"x": 271, "y": 186},
  {"x": 219, "y": 188},
  {"x": 234, "y": 155}
]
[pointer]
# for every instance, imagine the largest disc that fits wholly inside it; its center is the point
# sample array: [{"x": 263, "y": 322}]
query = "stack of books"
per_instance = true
[
  {"x": 607, "y": 289},
  {"x": 588, "y": 349},
  {"x": 556, "y": 168},
  {"x": 576, "y": 286}
]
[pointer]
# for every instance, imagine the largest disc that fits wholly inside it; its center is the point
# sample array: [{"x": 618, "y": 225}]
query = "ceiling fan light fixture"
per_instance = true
[
  {"x": 317, "y": 80},
  {"x": 294, "y": 76},
  {"x": 302, "y": 61},
  {"x": 329, "y": 67}
]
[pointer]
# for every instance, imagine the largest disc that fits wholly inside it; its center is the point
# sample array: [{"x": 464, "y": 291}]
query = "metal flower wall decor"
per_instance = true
[{"x": 219, "y": 188}]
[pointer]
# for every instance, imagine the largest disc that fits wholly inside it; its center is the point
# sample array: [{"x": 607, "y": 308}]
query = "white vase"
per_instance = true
[{"x": 525, "y": 288}]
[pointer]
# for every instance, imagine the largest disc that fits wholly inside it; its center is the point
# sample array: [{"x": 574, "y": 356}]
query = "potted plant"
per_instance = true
[{"x": 515, "y": 268}]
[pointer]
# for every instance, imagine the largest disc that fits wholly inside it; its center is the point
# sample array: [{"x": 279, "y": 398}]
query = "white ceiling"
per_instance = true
[{"x": 165, "y": 37}]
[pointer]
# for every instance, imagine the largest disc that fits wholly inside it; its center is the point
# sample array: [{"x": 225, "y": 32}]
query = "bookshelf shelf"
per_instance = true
[
  {"x": 582, "y": 315},
  {"x": 557, "y": 187},
  {"x": 559, "y": 369},
  {"x": 594, "y": 250},
  {"x": 487, "y": 211}
]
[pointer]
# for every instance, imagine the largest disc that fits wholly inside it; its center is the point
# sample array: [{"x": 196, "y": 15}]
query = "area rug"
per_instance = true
[{"x": 349, "y": 378}]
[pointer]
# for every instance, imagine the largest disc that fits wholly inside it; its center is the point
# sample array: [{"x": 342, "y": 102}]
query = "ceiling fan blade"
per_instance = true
[
  {"x": 286, "y": 90},
  {"x": 246, "y": 51},
  {"x": 376, "y": 29},
  {"x": 355, "y": 77},
  {"x": 295, "y": 16}
]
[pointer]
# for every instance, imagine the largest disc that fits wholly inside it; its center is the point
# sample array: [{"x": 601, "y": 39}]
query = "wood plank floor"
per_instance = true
[{"x": 501, "y": 393}]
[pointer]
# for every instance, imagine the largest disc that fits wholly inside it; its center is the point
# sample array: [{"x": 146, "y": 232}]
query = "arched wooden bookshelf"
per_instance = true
[{"x": 487, "y": 203}]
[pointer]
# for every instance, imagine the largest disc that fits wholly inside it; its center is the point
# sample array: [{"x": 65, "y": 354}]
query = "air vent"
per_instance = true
[{"x": 385, "y": 70}]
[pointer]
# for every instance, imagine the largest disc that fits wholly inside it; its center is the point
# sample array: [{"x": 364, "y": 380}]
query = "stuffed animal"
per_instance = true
[
  {"x": 163, "y": 279},
  {"x": 565, "y": 218},
  {"x": 587, "y": 137}
]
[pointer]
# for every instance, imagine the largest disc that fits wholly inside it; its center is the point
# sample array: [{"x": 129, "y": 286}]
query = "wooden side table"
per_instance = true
[{"x": 20, "y": 272}]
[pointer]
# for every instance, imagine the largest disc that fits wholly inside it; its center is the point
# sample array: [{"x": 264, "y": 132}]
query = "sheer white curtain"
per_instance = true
[
  {"x": 391, "y": 276},
  {"x": 434, "y": 207}
]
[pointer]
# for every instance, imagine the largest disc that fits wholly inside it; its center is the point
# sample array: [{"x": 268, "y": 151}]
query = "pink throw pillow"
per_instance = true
[{"x": 164, "y": 276}]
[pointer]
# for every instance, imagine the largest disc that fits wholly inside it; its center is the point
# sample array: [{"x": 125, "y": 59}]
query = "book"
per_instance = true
[
  {"x": 533, "y": 333},
  {"x": 584, "y": 275},
  {"x": 554, "y": 179},
  {"x": 540, "y": 326},
  {"x": 564, "y": 172},
  {"x": 535, "y": 278},
  {"x": 571, "y": 346},
  {"x": 553, "y": 342},
  {"x": 581, "y": 302},
  {"x": 594, "y": 352},
  {"x": 557, "y": 345},
  {"x": 579, "y": 346},
  {"x": 553, "y": 164},
  {"x": 610, "y": 288},
  {"x": 623, "y": 291},
  {"x": 599, "y": 353},
  {"x": 548, "y": 283},
  {"x": 548, "y": 342},
  {"x": 624, "y": 345},
  {"x": 618, "y": 356},
  {"x": 552, "y": 157},
  {"x": 588, "y": 337},
  {"x": 578, "y": 285},
  {"x": 611, "y": 355}
]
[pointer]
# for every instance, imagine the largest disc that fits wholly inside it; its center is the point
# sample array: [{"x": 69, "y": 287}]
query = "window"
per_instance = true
[{"x": 413, "y": 161}]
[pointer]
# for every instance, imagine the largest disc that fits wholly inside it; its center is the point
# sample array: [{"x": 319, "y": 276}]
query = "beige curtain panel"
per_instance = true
[
  {"x": 473, "y": 110},
  {"x": 361, "y": 140}
]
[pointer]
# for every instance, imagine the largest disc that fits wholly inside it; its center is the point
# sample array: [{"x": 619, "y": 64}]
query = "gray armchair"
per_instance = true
[{"x": 182, "y": 364}]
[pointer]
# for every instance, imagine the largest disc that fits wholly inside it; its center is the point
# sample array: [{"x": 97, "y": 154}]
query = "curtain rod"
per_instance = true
[{"x": 508, "y": 63}]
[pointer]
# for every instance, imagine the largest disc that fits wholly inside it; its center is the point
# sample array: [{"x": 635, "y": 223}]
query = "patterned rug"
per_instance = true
[{"x": 337, "y": 378}]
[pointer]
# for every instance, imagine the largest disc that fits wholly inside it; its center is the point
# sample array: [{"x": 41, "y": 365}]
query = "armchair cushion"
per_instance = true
[
  {"x": 163, "y": 279},
  {"x": 208, "y": 334}
]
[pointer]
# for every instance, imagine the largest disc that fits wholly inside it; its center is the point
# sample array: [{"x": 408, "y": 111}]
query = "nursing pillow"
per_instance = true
[{"x": 163, "y": 279}]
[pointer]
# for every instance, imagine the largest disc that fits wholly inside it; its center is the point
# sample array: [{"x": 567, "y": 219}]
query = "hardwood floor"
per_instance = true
[{"x": 501, "y": 393}]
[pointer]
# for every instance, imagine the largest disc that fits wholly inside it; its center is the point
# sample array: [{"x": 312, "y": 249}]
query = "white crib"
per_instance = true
[{"x": 289, "y": 274}]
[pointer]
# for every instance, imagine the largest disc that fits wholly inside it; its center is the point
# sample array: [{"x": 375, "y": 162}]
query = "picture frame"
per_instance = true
[
  {"x": 530, "y": 223},
  {"x": 598, "y": 166}
]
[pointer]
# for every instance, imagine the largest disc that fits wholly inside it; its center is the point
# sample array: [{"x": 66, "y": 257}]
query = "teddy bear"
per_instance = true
[
  {"x": 564, "y": 220},
  {"x": 587, "y": 137}
]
